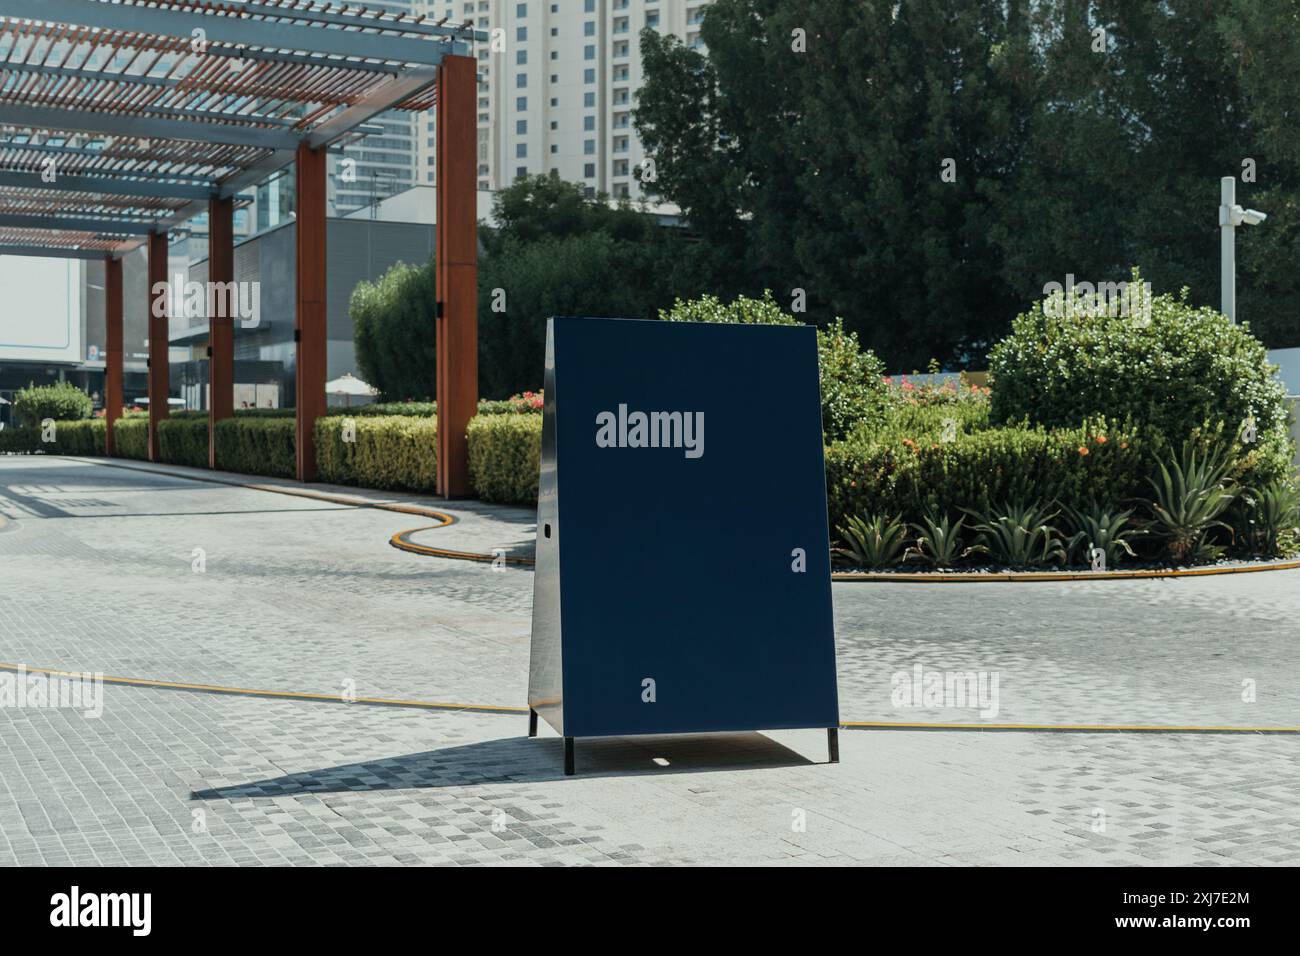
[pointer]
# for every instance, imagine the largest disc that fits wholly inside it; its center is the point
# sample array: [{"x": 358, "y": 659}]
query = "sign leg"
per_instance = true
[
  {"x": 833, "y": 743},
  {"x": 568, "y": 756},
  {"x": 532, "y": 722}
]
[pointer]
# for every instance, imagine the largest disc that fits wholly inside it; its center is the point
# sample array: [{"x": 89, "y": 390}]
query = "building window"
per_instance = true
[
  {"x": 554, "y": 148},
  {"x": 521, "y": 103},
  {"x": 521, "y": 150},
  {"x": 589, "y": 28},
  {"x": 555, "y": 54},
  {"x": 589, "y": 100},
  {"x": 521, "y": 10},
  {"x": 589, "y": 147},
  {"x": 521, "y": 80},
  {"x": 652, "y": 18},
  {"x": 521, "y": 57},
  {"x": 554, "y": 125},
  {"x": 589, "y": 123},
  {"x": 589, "y": 51},
  {"x": 521, "y": 34},
  {"x": 589, "y": 75},
  {"x": 588, "y": 6},
  {"x": 521, "y": 127},
  {"x": 555, "y": 31},
  {"x": 555, "y": 101},
  {"x": 589, "y": 170},
  {"x": 521, "y": 172}
]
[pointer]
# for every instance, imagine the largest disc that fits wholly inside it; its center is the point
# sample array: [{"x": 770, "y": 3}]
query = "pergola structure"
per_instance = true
[{"x": 122, "y": 119}]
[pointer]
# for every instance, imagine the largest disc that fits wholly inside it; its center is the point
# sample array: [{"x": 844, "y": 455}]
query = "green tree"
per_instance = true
[
  {"x": 61, "y": 401},
  {"x": 556, "y": 251},
  {"x": 1080, "y": 136},
  {"x": 824, "y": 133},
  {"x": 392, "y": 329}
]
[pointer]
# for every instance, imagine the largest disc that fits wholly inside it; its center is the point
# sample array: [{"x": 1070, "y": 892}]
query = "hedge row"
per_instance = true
[
  {"x": 82, "y": 437},
  {"x": 256, "y": 446},
  {"x": 504, "y": 457},
  {"x": 394, "y": 452}
]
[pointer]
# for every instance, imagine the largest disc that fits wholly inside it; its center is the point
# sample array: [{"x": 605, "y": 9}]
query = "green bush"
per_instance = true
[
  {"x": 395, "y": 451},
  {"x": 62, "y": 401},
  {"x": 853, "y": 384},
  {"x": 257, "y": 446},
  {"x": 1183, "y": 368},
  {"x": 19, "y": 440},
  {"x": 504, "y": 457},
  {"x": 83, "y": 437},
  {"x": 131, "y": 438},
  {"x": 392, "y": 328},
  {"x": 184, "y": 441},
  {"x": 894, "y": 472}
]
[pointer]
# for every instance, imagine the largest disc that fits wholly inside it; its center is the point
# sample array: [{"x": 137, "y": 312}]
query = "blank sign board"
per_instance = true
[{"x": 683, "y": 576}]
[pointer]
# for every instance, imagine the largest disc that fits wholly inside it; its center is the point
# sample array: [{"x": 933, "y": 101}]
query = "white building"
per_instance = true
[{"x": 556, "y": 86}]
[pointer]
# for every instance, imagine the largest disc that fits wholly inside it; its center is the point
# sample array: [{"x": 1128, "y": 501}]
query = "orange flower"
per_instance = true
[
  {"x": 1101, "y": 439},
  {"x": 1083, "y": 449},
  {"x": 1123, "y": 444}
]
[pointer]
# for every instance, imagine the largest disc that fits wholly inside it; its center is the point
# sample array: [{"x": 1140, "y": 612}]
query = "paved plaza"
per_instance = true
[{"x": 140, "y": 573}]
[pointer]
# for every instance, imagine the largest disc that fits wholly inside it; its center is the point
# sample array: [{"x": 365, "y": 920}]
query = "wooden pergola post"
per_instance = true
[
  {"x": 221, "y": 324},
  {"x": 456, "y": 237},
  {"x": 159, "y": 303},
  {"x": 112, "y": 350},
  {"x": 310, "y": 316}
]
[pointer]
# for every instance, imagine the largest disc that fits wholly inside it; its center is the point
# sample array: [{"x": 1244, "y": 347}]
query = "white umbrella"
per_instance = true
[{"x": 348, "y": 385}]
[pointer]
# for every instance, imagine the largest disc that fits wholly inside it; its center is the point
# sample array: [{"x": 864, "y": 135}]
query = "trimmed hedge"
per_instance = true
[
  {"x": 131, "y": 438},
  {"x": 395, "y": 451},
  {"x": 504, "y": 457},
  {"x": 894, "y": 473},
  {"x": 184, "y": 441},
  {"x": 257, "y": 446}
]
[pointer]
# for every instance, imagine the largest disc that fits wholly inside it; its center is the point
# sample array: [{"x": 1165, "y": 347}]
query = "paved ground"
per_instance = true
[{"x": 147, "y": 575}]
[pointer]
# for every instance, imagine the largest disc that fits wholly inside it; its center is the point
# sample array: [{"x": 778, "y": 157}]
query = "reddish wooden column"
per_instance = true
[
  {"x": 159, "y": 303},
  {"x": 221, "y": 324},
  {"x": 112, "y": 350},
  {"x": 456, "y": 338},
  {"x": 310, "y": 321}
]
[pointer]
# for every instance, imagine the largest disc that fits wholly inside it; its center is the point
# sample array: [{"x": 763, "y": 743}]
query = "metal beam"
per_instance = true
[
  {"x": 246, "y": 32},
  {"x": 106, "y": 185},
  {"x": 146, "y": 127},
  {"x": 93, "y": 76},
  {"x": 408, "y": 26},
  {"x": 376, "y": 102},
  {"x": 51, "y": 252},
  {"x": 107, "y": 227}
]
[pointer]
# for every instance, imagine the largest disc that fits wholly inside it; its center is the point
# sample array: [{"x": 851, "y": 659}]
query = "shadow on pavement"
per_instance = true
[{"x": 525, "y": 760}]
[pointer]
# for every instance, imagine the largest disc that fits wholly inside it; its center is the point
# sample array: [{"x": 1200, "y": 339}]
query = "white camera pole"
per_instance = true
[
  {"x": 1230, "y": 217},
  {"x": 1228, "y": 247}
]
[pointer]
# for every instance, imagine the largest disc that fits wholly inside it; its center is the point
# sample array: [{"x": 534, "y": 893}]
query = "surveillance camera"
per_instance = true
[{"x": 1253, "y": 217}]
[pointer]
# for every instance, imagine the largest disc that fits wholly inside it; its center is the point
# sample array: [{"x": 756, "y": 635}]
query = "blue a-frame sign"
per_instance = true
[{"x": 683, "y": 571}]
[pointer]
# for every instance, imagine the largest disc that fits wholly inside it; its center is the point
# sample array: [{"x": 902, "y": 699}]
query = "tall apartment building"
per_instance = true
[
  {"x": 556, "y": 86},
  {"x": 384, "y": 162}
]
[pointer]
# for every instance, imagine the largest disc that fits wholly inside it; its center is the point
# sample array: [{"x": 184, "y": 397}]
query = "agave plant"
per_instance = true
[
  {"x": 939, "y": 542},
  {"x": 1100, "y": 526},
  {"x": 1192, "y": 491},
  {"x": 873, "y": 541},
  {"x": 1020, "y": 535},
  {"x": 1272, "y": 516}
]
